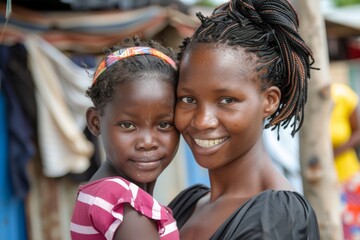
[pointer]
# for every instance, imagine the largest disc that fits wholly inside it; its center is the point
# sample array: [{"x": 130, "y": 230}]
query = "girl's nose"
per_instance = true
[{"x": 147, "y": 141}]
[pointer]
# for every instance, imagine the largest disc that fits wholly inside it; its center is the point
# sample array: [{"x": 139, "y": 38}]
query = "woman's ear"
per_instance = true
[
  {"x": 93, "y": 121},
  {"x": 271, "y": 101}
]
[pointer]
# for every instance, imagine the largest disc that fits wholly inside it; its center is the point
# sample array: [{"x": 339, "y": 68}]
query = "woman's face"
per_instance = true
[
  {"x": 137, "y": 127},
  {"x": 220, "y": 109}
]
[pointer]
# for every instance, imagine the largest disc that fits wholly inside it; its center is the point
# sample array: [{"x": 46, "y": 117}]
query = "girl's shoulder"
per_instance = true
[
  {"x": 115, "y": 191},
  {"x": 115, "y": 186},
  {"x": 103, "y": 200}
]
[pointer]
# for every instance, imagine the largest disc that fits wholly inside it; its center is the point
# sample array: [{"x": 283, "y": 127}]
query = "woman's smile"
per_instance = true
[
  {"x": 207, "y": 146},
  {"x": 209, "y": 143}
]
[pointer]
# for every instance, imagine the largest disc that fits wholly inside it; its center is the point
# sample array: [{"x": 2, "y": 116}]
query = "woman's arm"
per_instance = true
[{"x": 136, "y": 226}]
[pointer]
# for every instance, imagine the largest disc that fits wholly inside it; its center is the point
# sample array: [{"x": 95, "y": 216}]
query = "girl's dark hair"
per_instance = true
[
  {"x": 270, "y": 30},
  {"x": 130, "y": 68}
]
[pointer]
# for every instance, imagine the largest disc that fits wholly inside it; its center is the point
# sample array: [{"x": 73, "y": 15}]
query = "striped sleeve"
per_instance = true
[{"x": 99, "y": 209}]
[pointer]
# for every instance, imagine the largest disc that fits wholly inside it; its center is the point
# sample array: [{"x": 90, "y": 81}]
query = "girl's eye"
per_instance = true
[
  {"x": 166, "y": 125},
  {"x": 187, "y": 100},
  {"x": 127, "y": 125},
  {"x": 227, "y": 100}
]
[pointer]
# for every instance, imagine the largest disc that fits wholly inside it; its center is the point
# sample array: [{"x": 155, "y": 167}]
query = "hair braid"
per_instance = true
[{"x": 270, "y": 30}]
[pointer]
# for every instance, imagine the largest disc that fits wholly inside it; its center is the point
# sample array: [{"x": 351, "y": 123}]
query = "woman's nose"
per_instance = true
[{"x": 205, "y": 118}]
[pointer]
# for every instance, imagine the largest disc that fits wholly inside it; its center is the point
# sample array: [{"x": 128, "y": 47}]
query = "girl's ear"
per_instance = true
[
  {"x": 93, "y": 121},
  {"x": 271, "y": 101}
]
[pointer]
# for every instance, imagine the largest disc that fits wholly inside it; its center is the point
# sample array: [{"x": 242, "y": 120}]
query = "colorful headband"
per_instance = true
[{"x": 130, "y": 52}]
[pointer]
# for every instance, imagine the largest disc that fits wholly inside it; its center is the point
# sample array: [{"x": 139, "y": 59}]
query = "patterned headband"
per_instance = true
[{"x": 130, "y": 52}]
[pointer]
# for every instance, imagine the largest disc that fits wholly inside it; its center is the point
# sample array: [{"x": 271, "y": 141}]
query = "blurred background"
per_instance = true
[{"x": 48, "y": 50}]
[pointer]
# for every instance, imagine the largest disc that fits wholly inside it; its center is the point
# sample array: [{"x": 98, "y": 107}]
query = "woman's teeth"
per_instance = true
[{"x": 209, "y": 143}]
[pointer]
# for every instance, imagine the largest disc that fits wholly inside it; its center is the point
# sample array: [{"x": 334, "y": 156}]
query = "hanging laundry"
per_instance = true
[{"x": 60, "y": 87}]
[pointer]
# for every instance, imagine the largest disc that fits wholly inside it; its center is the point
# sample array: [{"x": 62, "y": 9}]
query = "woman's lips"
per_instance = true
[
  {"x": 207, "y": 146},
  {"x": 208, "y": 143}
]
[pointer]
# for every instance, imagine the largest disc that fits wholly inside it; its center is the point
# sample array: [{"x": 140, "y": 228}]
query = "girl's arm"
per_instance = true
[{"x": 136, "y": 226}]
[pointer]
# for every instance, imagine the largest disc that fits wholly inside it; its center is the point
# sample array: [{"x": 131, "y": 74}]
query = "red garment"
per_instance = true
[
  {"x": 350, "y": 197},
  {"x": 99, "y": 210}
]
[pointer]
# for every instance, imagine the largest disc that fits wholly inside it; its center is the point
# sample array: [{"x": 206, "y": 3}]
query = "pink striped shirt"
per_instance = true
[{"x": 99, "y": 210}]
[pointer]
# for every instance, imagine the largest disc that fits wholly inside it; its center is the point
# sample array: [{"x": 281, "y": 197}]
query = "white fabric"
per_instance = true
[
  {"x": 285, "y": 154},
  {"x": 60, "y": 83}
]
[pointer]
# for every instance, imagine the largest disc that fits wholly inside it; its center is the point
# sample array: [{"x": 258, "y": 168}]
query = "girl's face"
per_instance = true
[
  {"x": 220, "y": 109},
  {"x": 137, "y": 127}
]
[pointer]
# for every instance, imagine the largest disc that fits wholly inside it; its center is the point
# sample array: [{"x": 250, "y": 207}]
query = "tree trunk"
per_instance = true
[{"x": 320, "y": 182}]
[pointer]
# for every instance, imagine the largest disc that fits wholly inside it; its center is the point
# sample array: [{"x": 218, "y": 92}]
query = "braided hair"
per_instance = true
[
  {"x": 270, "y": 30},
  {"x": 130, "y": 68}
]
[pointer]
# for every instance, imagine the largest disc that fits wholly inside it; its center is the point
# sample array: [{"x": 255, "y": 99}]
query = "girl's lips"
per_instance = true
[{"x": 147, "y": 164}]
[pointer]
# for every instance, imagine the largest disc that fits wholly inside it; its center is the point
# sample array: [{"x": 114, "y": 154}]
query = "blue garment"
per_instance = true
[
  {"x": 21, "y": 148},
  {"x": 12, "y": 213}
]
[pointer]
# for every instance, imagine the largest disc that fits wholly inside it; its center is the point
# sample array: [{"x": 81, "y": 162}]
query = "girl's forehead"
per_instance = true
[{"x": 142, "y": 95}]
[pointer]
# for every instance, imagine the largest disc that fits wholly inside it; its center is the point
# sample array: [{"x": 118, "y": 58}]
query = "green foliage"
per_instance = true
[
  {"x": 206, "y": 3},
  {"x": 342, "y": 3}
]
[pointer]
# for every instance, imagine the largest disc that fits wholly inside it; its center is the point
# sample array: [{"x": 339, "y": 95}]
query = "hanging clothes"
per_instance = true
[
  {"x": 60, "y": 87},
  {"x": 12, "y": 213},
  {"x": 21, "y": 148}
]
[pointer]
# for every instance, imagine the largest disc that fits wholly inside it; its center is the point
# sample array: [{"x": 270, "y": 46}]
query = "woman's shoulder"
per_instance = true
[
  {"x": 197, "y": 188},
  {"x": 272, "y": 213},
  {"x": 184, "y": 203},
  {"x": 283, "y": 196},
  {"x": 189, "y": 195},
  {"x": 275, "y": 205}
]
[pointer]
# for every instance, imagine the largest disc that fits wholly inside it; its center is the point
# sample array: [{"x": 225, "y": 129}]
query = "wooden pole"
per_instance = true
[{"x": 320, "y": 182}]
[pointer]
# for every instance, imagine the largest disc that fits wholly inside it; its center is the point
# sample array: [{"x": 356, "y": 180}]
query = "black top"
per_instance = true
[{"x": 269, "y": 215}]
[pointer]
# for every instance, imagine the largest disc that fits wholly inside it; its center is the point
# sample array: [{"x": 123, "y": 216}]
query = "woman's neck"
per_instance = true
[{"x": 242, "y": 177}]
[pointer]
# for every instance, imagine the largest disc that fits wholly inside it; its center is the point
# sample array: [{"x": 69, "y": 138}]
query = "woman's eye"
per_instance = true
[
  {"x": 227, "y": 100},
  {"x": 127, "y": 125},
  {"x": 166, "y": 125},
  {"x": 187, "y": 100}
]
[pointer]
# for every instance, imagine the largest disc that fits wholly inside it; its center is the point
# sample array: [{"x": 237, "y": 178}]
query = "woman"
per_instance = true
[{"x": 245, "y": 63}]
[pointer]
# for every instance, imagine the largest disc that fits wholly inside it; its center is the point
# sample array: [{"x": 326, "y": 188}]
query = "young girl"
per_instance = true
[
  {"x": 133, "y": 92},
  {"x": 245, "y": 64}
]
